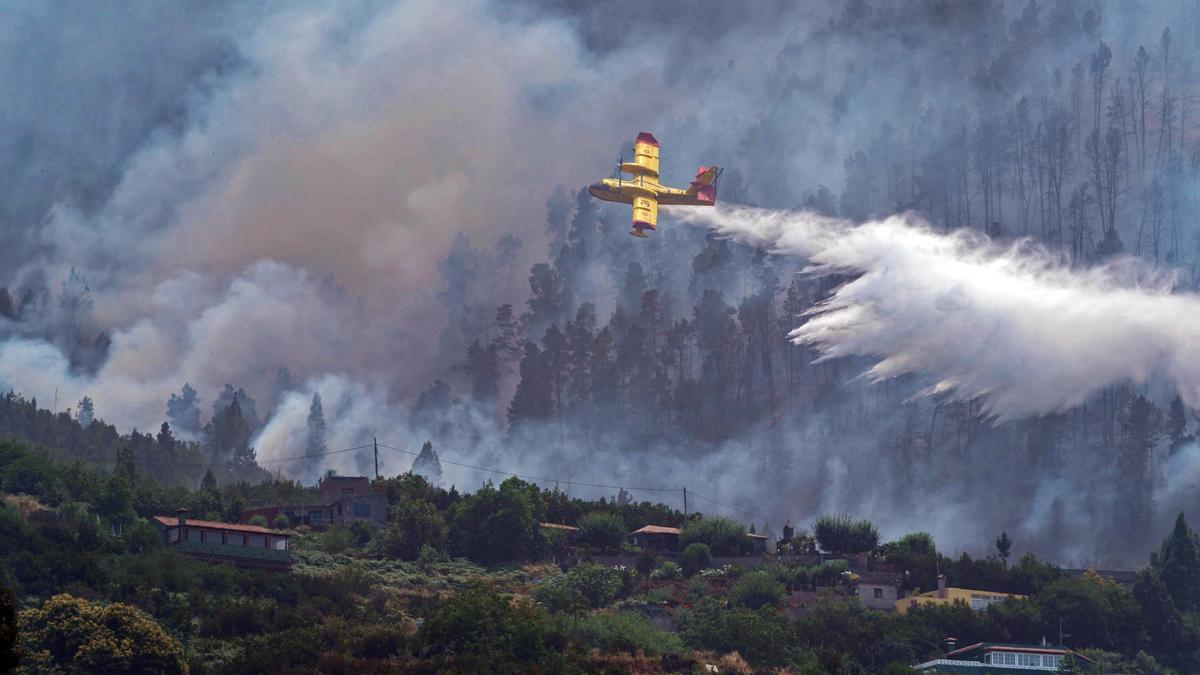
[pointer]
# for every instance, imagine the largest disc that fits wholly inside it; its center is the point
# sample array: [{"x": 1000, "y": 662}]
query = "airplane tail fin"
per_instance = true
[{"x": 704, "y": 186}]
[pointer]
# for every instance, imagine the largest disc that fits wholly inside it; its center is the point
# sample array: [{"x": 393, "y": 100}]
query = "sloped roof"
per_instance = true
[
  {"x": 656, "y": 529},
  {"x": 556, "y": 526},
  {"x": 172, "y": 521}
]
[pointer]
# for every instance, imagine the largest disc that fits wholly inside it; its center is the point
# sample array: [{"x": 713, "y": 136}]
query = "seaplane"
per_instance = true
[{"x": 636, "y": 183}]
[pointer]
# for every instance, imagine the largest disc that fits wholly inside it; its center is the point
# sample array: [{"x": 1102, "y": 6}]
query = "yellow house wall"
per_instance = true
[{"x": 952, "y": 594}]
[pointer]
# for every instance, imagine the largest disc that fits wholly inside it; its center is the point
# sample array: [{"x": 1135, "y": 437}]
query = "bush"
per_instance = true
[
  {"x": 10, "y": 655},
  {"x": 74, "y": 635},
  {"x": 479, "y": 630},
  {"x": 694, "y": 558},
  {"x": 415, "y": 525},
  {"x": 602, "y": 530},
  {"x": 336, "y": 540},
  {"x": 281, "y": 522},
  {"x": 646, "y": 563},
  {"x": 756, "y": 590},
  {"x": 500, "y": 525},
  {"x": 722, "y": 535},
  {"x": 841, "y": 535},
  {"x": 597, "y": 585},
  {"x": 259, "y": 520},
  {"x": 761, "y": 635},
  {"x": 622, "y": 632},
  {"x": 667, "y": 571}
]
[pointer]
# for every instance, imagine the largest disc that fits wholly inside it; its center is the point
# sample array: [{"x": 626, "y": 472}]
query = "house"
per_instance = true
[
  {"x": 235, "y": 543},
  {"x": 976, "y": 600},
  {"x": 758, "y": 543},
  {"x": 877, "y": 590},
  {"x": 656, "y": 538},
  {"x": 341, "y": 501},
  {"x": 555, "y": 527},
  {"x": 666, "y": 539},
  {"x": 994, "y": 658}
]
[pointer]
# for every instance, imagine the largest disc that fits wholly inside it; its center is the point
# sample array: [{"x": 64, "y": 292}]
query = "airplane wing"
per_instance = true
[
  {"x": 645, "y": 156},
  {"x": 645, "y": 216}
]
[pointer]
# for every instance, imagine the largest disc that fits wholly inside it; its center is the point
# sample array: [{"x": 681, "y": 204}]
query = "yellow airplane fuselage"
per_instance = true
[{"x": 644, "y": 193}]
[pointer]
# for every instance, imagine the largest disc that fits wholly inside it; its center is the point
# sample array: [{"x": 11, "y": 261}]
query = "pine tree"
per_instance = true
[
  {"x": 1004, "y": 547},
  {"x": 428, "y": 465},
  {"x": 85, "y": 413},
  {"x": 166, "y": 443},
  {"x": 534, "y": 398},
  {"x": 508, "y": 340},
  {"x": 1140, "y": 426},
  {"x": 483, "y": 367},
  {"x": 316, "y": 426},
  {"x": 184, "y": 411},
  {"x": 1177, "y": 425},
  {"x": 1178, "y": 564},
  {"x": 546, "y": 300}
]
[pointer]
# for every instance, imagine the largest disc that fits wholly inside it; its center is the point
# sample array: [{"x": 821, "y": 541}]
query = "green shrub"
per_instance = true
[
  {"x": 694, "y": 558},
  {"x": 646, "y": 563},
  {"x": 258, "y": 520},
  {"x": 336, "y": 539},
  {"x": 667, "y": 571},
  {"x": 602, "y": 530},
  {"x": 281, "y": 522},
  {"x": 415, "y": 524},
  {"x": 761, "y": 637},
  {"x": 479, "y": 630},
  {"x": 621, "y": 632},
  {"x": 841, "y": 535},
  {"x": 722, "y": 535},
  {"x": 828, "y": 573},
  {"x": 756, "y": 590}
]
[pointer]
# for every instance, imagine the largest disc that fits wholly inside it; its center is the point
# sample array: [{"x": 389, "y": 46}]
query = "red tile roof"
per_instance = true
[
  {"x": 656, "y": 529},
  {"x": 172, "y": 521}
]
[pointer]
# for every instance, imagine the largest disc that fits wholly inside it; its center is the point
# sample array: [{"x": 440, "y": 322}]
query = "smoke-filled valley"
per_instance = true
[{"x": 950, "y": 284}]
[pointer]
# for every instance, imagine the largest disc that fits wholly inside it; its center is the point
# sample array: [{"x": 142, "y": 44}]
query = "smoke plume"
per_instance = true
[{"x": 1008, "y": 323}]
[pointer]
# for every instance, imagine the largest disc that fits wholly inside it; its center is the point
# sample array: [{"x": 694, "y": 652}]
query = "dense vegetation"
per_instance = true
[{"x": 457, "y": 582}]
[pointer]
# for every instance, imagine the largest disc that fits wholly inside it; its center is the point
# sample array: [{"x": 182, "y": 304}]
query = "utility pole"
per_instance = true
[
  {"x": 376, "y": 441},
  {"x": 685, "y": 503}
]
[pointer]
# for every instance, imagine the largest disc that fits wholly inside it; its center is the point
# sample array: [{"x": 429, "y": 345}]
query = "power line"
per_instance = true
[{"x": 742, "y": 511}]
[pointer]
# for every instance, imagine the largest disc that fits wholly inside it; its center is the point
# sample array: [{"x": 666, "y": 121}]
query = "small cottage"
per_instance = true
[{"x": 233, "y": 543}]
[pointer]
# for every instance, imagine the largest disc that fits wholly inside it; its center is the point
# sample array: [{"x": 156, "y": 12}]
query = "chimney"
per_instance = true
[
  {"x": 182, "y": 513},
  {"x": 949, "y": 643},
  {"x": 788, "y": 532},
  {"x": 941, "y": 585}
]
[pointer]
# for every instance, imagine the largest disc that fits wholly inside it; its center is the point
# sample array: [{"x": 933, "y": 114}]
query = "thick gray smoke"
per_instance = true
[
  {"x": 250, "y": 188},
  {"x": 1005, "y": 323}
]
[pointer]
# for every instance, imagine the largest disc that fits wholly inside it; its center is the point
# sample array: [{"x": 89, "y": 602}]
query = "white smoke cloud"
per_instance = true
[{"x": 1007, "y": 324}]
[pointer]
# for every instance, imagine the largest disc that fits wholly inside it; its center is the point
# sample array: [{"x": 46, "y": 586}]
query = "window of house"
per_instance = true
[
  {"x": 878, "y": 593},
  {"x": 212, "y": 537},
  {"x": 279, "y": 543},
  {"x": 362, "y": 510},
  {"x": 234, "y": 539},
  {"x": 172, "y": 535},
  {"x": 314, "y": 517},
  {"x": 195, "y": 535},
  {"x": 258, "y": 541}
]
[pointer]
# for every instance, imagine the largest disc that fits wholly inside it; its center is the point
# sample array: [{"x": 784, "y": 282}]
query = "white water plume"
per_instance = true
[{"x": 1009, "y": 324}]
